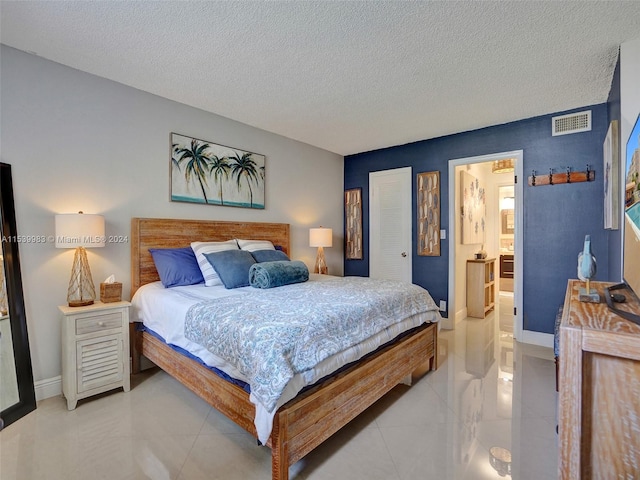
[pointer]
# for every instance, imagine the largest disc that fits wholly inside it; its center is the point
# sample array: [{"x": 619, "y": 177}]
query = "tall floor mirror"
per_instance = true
[{"x": 17, "y": 394}]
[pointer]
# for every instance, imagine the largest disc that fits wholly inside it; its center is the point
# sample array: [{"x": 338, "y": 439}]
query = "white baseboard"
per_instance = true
[
  {"x": 537, "y": 338},
  {"x": 52, "y": 387},
  {"x": 450, "y": 322},
  {"x": 47, "y": 388}
]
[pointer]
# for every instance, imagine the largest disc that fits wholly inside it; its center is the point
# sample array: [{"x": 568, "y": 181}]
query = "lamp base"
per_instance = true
[
  {"x": 81, "y": 291},
  {"x": 321, "y": 264},
  {"x": 321, "y": 270},
  {"x": 81, "y": 303}
]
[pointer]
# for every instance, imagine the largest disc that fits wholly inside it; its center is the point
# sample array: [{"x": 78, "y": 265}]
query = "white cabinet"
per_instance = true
[{"x": 95, "y": 350}]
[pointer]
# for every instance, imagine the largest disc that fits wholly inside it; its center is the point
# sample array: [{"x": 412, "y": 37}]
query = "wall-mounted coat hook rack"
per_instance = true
[{"x": 536, "y": 180}]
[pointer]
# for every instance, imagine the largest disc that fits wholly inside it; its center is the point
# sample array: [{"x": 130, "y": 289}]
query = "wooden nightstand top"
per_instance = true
[{"x": 97, "y": 306}]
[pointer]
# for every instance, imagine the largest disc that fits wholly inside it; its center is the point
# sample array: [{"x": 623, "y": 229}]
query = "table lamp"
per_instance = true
[
  {"x": 320, "y": 237},
  {"x": 80, "y": 231}
]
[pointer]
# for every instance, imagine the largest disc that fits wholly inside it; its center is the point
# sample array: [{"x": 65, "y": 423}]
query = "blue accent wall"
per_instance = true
[{"x": 556, "y": 218}]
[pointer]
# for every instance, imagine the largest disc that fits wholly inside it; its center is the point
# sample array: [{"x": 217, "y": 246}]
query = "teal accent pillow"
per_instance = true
[
  {"x": 269, "y": 256},
  {"x": 232, "y": 266}
]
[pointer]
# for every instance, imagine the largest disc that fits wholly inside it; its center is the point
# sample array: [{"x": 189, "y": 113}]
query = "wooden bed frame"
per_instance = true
[{"x": 313, "y": 416}]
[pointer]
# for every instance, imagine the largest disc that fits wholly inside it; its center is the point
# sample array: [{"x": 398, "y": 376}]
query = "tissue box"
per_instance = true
[{"x": 110, "y": 292}]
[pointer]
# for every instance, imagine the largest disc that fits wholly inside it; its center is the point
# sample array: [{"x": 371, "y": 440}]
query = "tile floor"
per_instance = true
[{"x": 488, "y": 392}]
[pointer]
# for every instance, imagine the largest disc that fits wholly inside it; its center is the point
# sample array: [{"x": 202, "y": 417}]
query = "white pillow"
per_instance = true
[
  {"x": 254, "y": 245},
  {"x": 211, "y": 278}
]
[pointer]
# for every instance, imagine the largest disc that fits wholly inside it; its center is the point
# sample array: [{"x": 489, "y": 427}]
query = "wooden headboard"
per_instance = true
[{"x": 174, "y": 233}]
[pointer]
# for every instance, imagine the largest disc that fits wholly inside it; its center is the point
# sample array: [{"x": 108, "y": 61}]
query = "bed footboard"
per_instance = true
[{"x": 311, "y": 418}]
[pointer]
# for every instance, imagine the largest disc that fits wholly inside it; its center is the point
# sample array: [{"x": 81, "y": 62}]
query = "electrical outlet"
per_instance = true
[{"x": 443, "y": 305}]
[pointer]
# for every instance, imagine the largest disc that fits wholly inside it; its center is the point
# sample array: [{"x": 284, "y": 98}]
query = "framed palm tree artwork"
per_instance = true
[{"x": 205, "y": 172}]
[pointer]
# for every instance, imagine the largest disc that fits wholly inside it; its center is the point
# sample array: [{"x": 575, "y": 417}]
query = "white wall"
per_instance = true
[{"x": 80, "y": 142}]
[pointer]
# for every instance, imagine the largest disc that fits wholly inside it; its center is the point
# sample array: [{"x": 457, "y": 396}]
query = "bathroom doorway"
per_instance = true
[{"x": 487, "y": 169}]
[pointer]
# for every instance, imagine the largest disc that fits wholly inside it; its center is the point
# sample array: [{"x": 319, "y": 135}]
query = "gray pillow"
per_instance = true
[
  {"x": 232, "y": 266},
  {"x": 269, "y": 255}
]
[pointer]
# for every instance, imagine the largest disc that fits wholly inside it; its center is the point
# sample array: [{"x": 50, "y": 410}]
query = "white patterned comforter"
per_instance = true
[
  {"x": 270, "y": 335},
  {"x": 164, "y": 310}
]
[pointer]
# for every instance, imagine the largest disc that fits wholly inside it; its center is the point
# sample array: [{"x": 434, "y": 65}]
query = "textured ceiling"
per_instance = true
[{"x": 343, "y": 76}]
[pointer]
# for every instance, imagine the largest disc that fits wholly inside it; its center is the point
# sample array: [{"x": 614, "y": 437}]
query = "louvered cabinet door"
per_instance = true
[
  {"x": 95, "y": 350},
  {"x": 100, "y": 362}
]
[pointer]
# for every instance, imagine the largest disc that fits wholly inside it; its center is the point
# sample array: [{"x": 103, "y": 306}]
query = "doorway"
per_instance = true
[{"x": 459, "y": 253}]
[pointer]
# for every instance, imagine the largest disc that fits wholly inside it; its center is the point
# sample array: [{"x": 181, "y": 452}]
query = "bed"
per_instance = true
[{"x": 312, "y": 416}]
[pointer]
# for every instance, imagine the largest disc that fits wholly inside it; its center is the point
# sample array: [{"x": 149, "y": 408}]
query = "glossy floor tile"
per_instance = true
[{"x": 489, "y": 395}]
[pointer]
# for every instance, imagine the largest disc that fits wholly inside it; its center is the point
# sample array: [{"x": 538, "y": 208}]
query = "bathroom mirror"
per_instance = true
[{"x": 17, "y": 395}]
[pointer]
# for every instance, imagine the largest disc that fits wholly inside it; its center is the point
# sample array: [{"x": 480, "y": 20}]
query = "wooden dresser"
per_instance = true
[{"x": 599, "y": 400}]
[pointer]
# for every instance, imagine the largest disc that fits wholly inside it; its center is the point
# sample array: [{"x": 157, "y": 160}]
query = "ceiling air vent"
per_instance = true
[{"x": 572, "y": 123}]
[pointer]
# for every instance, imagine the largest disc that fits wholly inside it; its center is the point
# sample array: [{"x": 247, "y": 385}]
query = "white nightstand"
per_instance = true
[{"x": 95, "y": 349}]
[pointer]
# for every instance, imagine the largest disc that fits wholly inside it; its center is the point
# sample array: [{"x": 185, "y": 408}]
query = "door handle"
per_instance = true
[{"x": 403, "y": 254}]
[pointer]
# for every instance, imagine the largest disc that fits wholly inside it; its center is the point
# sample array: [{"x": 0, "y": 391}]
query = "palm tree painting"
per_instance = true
[
  {"x": 205, "y": 172},
  {"x": 219, "y": 170},
  {"x": 197, "y": 163},
  {"x": 244, "y": 167}
]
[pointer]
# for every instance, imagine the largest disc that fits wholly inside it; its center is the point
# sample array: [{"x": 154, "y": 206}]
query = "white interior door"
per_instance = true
[{"x": 390, "y": 224}]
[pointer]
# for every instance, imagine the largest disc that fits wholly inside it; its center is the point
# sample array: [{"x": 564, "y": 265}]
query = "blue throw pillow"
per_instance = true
[
  {"x": 269, "y": 255},
  {"x": 232, "y": 266},
  {"x": 176, "y": 266}
]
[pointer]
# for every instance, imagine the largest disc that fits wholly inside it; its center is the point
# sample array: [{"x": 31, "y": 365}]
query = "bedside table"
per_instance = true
[{"x": 95, "y": 350}]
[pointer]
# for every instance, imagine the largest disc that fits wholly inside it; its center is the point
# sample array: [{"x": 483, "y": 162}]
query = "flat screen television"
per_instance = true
[{"x": 631, "y": 225}]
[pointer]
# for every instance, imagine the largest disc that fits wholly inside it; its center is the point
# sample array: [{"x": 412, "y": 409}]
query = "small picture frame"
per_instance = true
[
  {"x": 428, "y": 208},
  {"x": 353, "y": 223}
]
